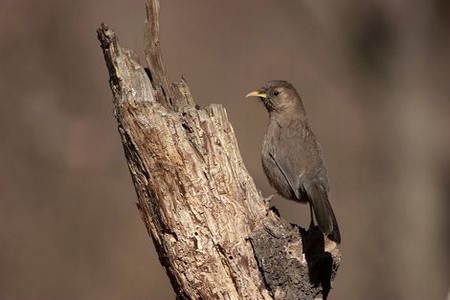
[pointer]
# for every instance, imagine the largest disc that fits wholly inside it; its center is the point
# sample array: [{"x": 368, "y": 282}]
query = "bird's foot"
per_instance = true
[{"x": 267, "y": 199}]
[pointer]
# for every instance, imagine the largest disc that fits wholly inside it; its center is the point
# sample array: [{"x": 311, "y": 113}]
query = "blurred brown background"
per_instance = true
[{"x": 374, "y": 76}]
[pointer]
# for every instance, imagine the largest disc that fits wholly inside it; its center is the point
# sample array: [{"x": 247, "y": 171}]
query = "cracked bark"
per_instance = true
[{"x": 213, "y": 232}]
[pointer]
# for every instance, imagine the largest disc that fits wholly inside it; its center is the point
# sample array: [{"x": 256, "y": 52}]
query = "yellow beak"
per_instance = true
[{"x": 257, "y": 93}]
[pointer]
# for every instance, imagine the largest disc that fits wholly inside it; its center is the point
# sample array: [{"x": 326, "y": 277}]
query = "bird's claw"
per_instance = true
[{"x": 267, "y": 199}]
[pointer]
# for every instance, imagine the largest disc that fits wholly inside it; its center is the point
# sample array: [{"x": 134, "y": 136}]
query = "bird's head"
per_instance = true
[{"x": 278, "y": 96}]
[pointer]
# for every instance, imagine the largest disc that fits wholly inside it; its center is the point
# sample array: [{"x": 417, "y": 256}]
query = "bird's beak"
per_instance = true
[{"x": 257, "y": 93}]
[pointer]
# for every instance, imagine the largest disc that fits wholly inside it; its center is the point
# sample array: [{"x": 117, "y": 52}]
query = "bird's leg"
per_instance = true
[{"x": 311, "y": 225}]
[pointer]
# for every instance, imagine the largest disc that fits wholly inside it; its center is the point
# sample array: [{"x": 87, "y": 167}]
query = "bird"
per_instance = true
[{"x": 291, "y": 155}]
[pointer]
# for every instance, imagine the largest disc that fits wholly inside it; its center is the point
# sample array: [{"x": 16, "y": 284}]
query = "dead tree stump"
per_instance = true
[{"x": 212, "y": 229}]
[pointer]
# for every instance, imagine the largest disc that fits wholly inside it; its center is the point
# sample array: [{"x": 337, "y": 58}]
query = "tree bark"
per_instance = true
[{"x": 213, "y": 231}]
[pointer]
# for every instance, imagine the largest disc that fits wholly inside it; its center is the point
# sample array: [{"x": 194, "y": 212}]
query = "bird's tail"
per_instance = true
[{"x": 323, "y": 211}]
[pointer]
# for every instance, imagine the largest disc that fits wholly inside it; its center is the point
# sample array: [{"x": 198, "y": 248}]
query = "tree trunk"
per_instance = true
[{"x": 214, "y": 233}]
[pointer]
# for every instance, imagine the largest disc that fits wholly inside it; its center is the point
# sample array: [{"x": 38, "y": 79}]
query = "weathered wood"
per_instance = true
[{"x": 213, "y": 231}]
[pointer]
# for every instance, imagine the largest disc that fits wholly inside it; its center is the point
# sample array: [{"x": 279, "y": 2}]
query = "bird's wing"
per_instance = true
[
  {"x": 298, "y": 156},
  {"x": 314, "y": 189},
  {"x": 286, "y": 171}
]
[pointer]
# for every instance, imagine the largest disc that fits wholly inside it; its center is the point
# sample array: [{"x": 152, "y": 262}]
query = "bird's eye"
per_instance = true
[{"x": 276, "y": 93}]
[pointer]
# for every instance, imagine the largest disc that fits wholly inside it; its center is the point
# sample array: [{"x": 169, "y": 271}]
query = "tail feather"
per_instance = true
[{"x": 323, "y": 211}]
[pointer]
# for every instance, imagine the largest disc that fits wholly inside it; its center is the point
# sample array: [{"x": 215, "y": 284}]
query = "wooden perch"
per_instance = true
[{"x": 213, "y": 231}]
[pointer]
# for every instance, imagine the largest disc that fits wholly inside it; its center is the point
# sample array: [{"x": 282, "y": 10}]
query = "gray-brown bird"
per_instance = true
[{"x": 291, "y": 155}]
